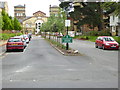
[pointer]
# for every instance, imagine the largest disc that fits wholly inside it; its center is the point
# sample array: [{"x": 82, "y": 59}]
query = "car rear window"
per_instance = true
[
  {"x": 108, "y": 39},
  {"x": 15, "y": 40}
]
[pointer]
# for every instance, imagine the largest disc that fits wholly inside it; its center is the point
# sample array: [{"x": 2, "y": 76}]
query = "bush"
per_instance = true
[
  {"x": 98, "y": 33},
  {"x": 5, "y": 36}
]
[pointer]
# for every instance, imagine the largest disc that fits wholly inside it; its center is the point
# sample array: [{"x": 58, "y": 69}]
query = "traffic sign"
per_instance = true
[
  {"x": 67, "y": 23},
  {"x": 67, "y": 39}
]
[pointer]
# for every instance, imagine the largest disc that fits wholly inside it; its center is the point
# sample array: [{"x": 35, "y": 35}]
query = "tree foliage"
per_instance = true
[
  {"x": 17, "y": 25},
  {"x": 92, "y": 13},
  {"x": 8, "y": 23},
  {"x": 112, "y": 7},
  {"x": 55, "y": 23},
  {"x": 1, "y": 23}
]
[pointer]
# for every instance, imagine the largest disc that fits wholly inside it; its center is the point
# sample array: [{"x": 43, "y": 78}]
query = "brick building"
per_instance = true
[
  {"x": 3, "y": 6},
  {"x": 33, "y": 23},
  {"x": 19, "y": 12},
  {"x": 54, "y": 10}
]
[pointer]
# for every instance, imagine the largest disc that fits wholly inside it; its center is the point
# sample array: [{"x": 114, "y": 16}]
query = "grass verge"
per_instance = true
[
  {"x": 5, "y": 36},
  {"x": 93, "y": 38},
  {"x": 61, "y": 48}
]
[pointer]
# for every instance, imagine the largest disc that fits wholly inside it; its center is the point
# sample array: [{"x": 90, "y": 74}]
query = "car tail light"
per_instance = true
[
  {"x": 20, "y": 43},
  {"x": 8, "y": 44}
]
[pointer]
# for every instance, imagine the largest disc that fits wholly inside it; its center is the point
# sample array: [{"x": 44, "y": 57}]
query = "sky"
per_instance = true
[{"x": 31, "y": 6}]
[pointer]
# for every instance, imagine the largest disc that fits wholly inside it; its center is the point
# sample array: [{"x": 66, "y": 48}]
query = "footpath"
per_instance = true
[{"x": 2, "y": 47}]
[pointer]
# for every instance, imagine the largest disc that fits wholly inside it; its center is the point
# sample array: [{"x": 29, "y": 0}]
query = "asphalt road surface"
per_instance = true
[{"x": 41, "y": 66}]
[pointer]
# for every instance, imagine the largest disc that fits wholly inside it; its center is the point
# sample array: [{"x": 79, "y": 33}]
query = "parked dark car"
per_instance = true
[{"x": 29, "y": 36}]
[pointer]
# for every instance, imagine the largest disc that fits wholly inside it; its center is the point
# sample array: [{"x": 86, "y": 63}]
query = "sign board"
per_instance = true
[
  {"x": 67, "y": 23},
  {"x": 67, "y": 39}
]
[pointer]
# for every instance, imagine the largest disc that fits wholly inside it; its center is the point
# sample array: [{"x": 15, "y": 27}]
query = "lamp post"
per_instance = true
[
  {"x": 67, "y": 44},
  {"x": 69, "y": 9}
]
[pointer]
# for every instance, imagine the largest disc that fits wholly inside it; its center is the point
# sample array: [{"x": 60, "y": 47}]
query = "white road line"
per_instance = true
[{"x": 23, "y": 69}]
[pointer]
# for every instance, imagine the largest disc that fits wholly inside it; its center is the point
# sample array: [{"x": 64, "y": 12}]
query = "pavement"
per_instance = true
[
  {"x": 2, "y": 47},
  {"x": 41, "y": 66}
]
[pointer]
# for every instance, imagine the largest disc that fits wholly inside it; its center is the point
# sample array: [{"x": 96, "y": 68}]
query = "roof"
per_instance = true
[
  {"x": 2, "y": 4},
  {"x": 26, "y": 18},
  {"x": 39, "y": 12},
  {"x": 19, "y": 6},
  {"x": 54, "y": 6}
]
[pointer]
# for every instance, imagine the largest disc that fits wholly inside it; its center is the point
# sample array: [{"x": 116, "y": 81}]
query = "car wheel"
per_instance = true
[
  {"x": 103, "y": 47},
  {"x": 7, "y": 50},
  {"x": 21, "y": 50},
  {"x": 96, "y": 46}
]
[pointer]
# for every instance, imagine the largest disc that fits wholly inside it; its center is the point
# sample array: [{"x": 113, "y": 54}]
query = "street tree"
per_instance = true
[
  {"x": 1, "y": 22},
  {"x": 112, "y": 7},
  {"x": 17, "y": 25},
  {"x": 86, "y": 13},
  {"x": 55, "y": 23},
  {"x": 8, "y": 23}
]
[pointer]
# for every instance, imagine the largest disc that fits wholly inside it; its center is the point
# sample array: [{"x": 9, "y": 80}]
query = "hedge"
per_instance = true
[{"x": 5, "y": 36}]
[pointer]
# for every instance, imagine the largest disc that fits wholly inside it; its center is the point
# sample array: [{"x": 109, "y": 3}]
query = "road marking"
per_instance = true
[
  {"x": 34, "y": 80},
  {"x": 11, "y": 80},
  {"x": 70, "y": 69},
  {"x": 90, "y": 63},
  {"x": 23, "y": 69}
]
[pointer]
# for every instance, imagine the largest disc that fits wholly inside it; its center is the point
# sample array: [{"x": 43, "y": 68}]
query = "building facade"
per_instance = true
[
  {"x": 19, "y": 12},
  {"x": 115, "y": 25},
  {"x": 3, "y": 6},
  {"x": 54, "y": 10},
  {"x": 32, "y": 24}
]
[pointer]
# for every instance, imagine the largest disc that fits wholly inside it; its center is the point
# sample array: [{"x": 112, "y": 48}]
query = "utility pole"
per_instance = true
[{"x": 67, "y": 44}]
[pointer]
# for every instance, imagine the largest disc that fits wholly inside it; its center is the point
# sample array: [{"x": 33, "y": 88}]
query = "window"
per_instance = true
[
  {"x": 109, "y": 39},
  {"x": 14, "y": 40}
]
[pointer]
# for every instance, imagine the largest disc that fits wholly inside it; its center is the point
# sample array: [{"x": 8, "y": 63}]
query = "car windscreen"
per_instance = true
[
  {"x": 108, "y": 39},
  {"x": 15, "y": 40}
]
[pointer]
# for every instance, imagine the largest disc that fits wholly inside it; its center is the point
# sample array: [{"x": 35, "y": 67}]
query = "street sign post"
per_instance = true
[
  {"x": 67, "y": 39},
  {"x": 67, "y": 23}
]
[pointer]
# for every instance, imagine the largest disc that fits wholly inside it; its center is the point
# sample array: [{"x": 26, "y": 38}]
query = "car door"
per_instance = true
[
  {"x": 101, "y": 42},
  {"x": 98, "y": 41}
]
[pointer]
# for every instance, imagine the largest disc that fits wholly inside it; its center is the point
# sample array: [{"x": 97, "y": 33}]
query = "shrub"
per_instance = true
[
  {"x": 5, "y": 36},
  {"x": 98, "y": 33}
]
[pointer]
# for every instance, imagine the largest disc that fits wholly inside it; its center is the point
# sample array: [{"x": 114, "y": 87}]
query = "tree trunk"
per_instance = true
[{"x": 101, "y": 24}]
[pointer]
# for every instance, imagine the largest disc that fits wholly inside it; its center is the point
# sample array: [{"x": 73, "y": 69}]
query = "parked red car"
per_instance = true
[
  {"x": 106, "y": 42},
  {"x": 15, "y": 43}
]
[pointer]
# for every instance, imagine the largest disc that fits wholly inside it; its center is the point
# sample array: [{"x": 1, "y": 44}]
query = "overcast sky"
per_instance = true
[{"x": 32, "y": 5}]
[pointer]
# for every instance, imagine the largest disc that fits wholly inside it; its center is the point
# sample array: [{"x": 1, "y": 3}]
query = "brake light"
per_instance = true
[
  {"x": 8, "y": 44},
  {"x": 20, "y": 43}
]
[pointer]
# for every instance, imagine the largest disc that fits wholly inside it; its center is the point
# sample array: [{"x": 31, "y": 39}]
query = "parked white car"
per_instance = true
[
  {"x": 25, "y": 37},
  {"x": 25, "y": 44}
]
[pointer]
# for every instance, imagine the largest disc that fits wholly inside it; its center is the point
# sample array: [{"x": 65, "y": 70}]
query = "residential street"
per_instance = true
[{"x": 42, "y": 66}]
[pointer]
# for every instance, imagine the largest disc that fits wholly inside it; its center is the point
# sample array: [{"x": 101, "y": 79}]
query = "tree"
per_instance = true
[
  {"x": 11, "y": 23},
  {"x": 1, "y": 22},
  {"x": 112, "y": 7},
  {"x": 87, "y": 13},
  {"x": 7, "y": 22},
  {"x": 55, "y": 23},
  {"x": 17, "y": 25}
]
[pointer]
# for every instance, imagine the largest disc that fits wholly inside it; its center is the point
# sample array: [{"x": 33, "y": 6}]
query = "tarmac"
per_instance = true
[{"x": 2, "y": 47}]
